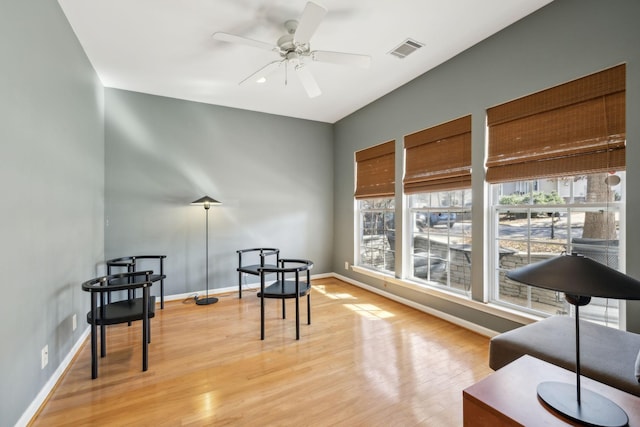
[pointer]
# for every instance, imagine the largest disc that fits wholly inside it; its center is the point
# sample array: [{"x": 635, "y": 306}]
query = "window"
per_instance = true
[
  {"x": 539, "y": 219},
  {"x": 556, "y": 161},
  {"x": 441, "y": 239},
  {"x": 375, "y": 189},
  {"x": 377, "y": 234},
  {"x": 437, "y": 181}
]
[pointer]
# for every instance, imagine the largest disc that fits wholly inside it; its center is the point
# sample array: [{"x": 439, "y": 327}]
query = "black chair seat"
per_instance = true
[
  {"x": 121, "y": 312},
  {"x": 284, "y": 290}
]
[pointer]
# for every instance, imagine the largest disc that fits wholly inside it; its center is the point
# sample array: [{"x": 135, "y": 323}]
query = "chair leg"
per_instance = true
[
  {"x": 297, "y": 315},
  {"x": 145, "y": 330},
  {"x": 262, "y": 318},
  {"x": 94, "y": 351},
  {"x": 161, "y": 284},
  {"x": 149, "y": 332},
  {"x": 239, "y": 275},
  {"x": 308, "y": 308},
  {"x": 103, "y": 340},
  {"x": 262, "y": 306}
]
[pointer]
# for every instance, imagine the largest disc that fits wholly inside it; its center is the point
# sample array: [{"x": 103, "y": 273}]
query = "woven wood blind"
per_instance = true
[
  {"x": 375, "y": 171},
  {"x": 574, "y": 128},
  {"x": 439, "y": 158}
]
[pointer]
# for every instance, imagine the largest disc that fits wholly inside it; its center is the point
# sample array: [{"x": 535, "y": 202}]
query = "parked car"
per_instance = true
[{"x": 426, "y": 220}]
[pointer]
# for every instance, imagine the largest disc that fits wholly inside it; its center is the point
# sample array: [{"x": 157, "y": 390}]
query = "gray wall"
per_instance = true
[
  {"x": 563, "y": 41},
  {"x": 284, "y": 182},
  {"x": 52, "y": 194},
  {"x": 273, "y": 175}
]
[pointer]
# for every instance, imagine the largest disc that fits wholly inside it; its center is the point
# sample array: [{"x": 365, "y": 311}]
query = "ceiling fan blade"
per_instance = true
[
  {"x": 309, "y": 22},
  {"x": 341, "y": 58},
  {"x": 263, "y": 72},
  {"x": 308, "y": 81},
  {"x": 232, "y": 38}
]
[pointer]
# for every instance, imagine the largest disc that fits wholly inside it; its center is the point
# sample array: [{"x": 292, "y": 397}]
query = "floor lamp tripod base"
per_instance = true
[
  {"x": 206, "y": 300},
  {"x": 593, "y": 409}
]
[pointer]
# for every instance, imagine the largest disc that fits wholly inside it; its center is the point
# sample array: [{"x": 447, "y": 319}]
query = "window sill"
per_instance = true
[{"x": 489, "y": 308}]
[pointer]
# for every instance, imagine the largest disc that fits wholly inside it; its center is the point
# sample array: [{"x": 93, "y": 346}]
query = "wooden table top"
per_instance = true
[{"x": 509, "y": 394}]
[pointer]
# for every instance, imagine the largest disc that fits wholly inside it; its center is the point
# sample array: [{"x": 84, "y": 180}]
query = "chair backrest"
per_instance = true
[
  {"x": 604, "y": 251},
  {"x": 289, "y": 267},
  {"x": 113, "y": 283},
  {"x": 126, "y": 263},
  {"x": 258, "y": 256},
  {"x": 131, "y": 263}
]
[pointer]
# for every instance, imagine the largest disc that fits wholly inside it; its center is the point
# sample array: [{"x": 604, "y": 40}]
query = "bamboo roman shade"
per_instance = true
[
  {"x": 439, "y": 158},
  {"x": 574, "y": 128},
  {"x": 375, "y": 171}
]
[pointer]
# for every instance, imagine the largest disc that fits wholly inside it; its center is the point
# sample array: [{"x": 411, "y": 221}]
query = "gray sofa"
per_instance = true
[{"x": 607, "y": 355}]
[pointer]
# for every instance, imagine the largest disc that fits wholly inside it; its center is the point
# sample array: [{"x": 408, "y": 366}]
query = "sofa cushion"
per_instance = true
[{"x": 607, "y": 355}]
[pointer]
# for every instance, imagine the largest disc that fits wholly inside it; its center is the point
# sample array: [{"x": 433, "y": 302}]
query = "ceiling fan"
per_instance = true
[{"x": 294, "y": 49}]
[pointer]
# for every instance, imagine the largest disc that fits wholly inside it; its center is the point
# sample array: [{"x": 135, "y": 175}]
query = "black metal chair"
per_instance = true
[
  {"x": 255, "y": 258},
  {"x": 109, "y": 307},
  {"x": 286, "y": 287},
  {"x": 131, "y": 264}
]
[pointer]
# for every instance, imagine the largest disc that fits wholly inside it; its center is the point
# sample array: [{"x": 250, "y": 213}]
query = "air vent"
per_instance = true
[{"x": 406, "y": 48}]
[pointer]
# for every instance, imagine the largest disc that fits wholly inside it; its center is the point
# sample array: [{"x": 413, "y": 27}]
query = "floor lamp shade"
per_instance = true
[
  {"x": 207, "y": 202},
  {"x": 580, "y": 278}
]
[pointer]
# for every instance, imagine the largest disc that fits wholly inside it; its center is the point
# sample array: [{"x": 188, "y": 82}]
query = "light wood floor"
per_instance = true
[{"x": 364, "y": 361}]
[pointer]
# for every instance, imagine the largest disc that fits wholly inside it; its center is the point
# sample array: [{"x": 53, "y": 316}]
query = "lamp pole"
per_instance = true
[{"x": 206, "y": 201}]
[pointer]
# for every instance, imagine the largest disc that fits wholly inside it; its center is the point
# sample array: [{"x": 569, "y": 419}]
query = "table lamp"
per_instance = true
[
  {"x": 580, "y": 278},
  {"x": 206, "y": 201}
]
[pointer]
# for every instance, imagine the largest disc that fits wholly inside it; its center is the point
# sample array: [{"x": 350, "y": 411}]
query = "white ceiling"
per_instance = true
[{"x": 164, "y": 47}]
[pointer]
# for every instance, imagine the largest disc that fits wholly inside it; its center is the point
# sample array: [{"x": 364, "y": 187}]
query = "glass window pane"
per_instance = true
[
  {"x": 440, "y": 224},
  {"x": 377, "y": 234},
  {"x": 543, "y": 218}
]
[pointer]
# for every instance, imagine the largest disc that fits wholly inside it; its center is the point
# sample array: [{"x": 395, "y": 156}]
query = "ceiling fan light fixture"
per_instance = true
[{"x": 294, "y": 49}]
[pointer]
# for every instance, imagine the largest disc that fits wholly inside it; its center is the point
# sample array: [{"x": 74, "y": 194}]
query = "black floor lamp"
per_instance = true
[
  {"x": 580, "y": 279},
  {"x": 206, "y": 201}
]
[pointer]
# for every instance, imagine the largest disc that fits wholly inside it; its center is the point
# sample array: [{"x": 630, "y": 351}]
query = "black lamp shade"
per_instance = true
[
  {"x": 206, "y": 200},
  {"x": 578, "y": 275}
]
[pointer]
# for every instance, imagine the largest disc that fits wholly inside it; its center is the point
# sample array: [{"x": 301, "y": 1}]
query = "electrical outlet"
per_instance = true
[
  {"x": 44, "y": 357},
  {"x": 74, "y": 322},
  {"x": 346, "y": 265}
]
